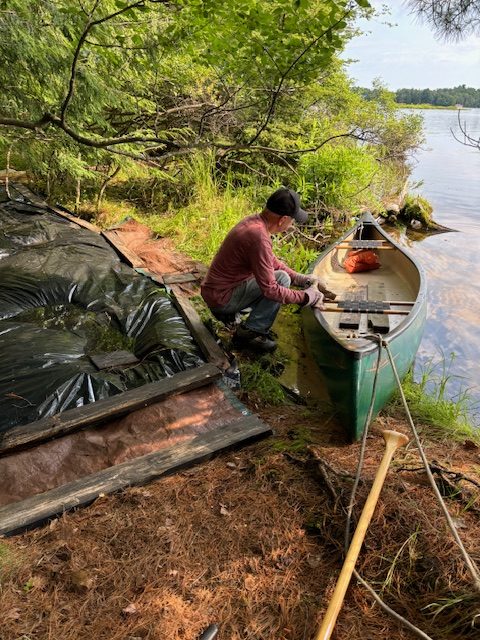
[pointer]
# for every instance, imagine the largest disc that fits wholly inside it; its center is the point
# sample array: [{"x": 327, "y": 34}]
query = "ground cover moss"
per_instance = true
[{"x": 98, "y": 329}]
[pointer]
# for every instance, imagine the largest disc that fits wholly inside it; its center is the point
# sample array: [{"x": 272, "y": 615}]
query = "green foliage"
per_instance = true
[
  {"x": 28, "y": 586},
  {"x": 213, "y": 209},
  {"x": 169, "y": 77},
  {"x": 296, "y": 253},
  {"x": 417, "y": 208},
  {"x": 430, "y": 405},
  {"x": 340, "y": 176},
  {"x": 260, "y": 384}
]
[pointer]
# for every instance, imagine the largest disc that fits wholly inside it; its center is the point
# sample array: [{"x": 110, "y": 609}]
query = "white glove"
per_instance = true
[
  {"x": 313, "y": 297},
  {"x": 318, "y": 282}
]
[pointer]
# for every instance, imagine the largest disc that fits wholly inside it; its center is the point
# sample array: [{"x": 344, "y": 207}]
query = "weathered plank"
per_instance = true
[
  {"x": 199, "y": 331},
  {"x": 378, "y": 322},
  {"x": 35, "y": 510},
  {"x": 110, "y": 408},
  {"x": 114, "y": 239},
  {"x": 153, "y": 276},
  {"x": 178, "y": 278},
  {"x": 114, "y": 359},
  {"x": 36, "y": 200},
  {"x": 352, "y": 320}
]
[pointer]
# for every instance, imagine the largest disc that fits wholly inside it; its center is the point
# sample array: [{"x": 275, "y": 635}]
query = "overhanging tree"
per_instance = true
[{"x": 153, "y": 79}]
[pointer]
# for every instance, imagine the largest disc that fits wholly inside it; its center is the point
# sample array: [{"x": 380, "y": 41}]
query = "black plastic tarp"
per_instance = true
[{"x": 65, "y": 295}]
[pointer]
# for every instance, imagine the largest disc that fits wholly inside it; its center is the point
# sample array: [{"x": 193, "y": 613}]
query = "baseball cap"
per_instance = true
[{"x": 286, "y": 202}]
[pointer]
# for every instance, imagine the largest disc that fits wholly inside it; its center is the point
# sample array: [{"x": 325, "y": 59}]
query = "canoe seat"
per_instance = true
[
  {"x": 380, "y": 323},
  {"x": 350, "y": 319}
]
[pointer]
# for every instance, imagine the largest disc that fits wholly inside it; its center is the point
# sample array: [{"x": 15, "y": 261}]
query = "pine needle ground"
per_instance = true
[{"x": 251, "y": 541}]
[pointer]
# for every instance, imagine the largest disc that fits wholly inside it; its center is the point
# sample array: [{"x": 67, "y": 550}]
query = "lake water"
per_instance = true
[{"x": 450, "y": 175}]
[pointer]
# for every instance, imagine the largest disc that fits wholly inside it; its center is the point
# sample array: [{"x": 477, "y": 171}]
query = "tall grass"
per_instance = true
[
  {"x": 429, "y": 402},
  {"x": 199, "y": 227},
  {"x": 214, "y": 207}
]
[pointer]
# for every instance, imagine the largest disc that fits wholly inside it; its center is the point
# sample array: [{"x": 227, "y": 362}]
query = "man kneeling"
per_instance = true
[{"x": 245, "y": 273}]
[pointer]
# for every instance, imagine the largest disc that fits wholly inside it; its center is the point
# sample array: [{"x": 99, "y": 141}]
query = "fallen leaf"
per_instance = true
[
  {"x": 130, "y": 609},
  {"x": 81, "y": 579},
  {"x": 224, "y": 511},
  {"x": 459, "y": 523},
  {"x": 314, "y": 561}
]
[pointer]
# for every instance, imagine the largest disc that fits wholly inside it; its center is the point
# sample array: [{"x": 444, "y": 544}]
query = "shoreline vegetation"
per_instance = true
[
  {"x": 198, "y": 228},
  {"x": 432, "y": 106},
  {"x": 450, "y": 98}
]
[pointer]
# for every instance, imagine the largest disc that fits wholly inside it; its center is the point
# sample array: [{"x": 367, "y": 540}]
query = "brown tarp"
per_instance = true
[{"x": 164, "y": 424}]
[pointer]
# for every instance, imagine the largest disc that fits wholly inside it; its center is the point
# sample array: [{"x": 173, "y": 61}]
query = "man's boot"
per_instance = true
[{"x": 247, "y": 338}]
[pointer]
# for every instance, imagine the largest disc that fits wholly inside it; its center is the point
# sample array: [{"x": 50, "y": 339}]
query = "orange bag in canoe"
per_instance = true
[{"x": 361, "y": 260}]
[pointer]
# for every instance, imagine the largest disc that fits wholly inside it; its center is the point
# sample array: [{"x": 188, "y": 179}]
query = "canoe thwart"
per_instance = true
[
  {"x": 401, "y": 303},
  {"x": 363, "y": 305},
  {"x": 395, "y": 312},
  {"x": 364, "y": 244}
]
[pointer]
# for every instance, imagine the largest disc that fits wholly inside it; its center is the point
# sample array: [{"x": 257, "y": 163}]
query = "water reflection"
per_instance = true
[{"x": 450, "y": 175}]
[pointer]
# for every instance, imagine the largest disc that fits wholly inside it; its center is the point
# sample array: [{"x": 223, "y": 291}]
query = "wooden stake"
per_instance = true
[{"x": 393, "y": 440}]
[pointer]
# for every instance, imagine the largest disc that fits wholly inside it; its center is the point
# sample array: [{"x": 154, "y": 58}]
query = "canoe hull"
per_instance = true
[
  {"x": 349, "y": 379},
  {"x": 348, "y": 365}
]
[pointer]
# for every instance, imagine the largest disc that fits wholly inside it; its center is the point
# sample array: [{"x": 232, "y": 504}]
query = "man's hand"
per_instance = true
[
  {"x": 318, "y": 282},
  {"x": 313, "y": 297}
]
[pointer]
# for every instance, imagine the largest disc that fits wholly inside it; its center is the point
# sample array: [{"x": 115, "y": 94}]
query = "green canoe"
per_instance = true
[{"x": 341, "y": 338}]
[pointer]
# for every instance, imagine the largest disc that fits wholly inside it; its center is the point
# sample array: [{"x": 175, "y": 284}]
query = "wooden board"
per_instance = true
[
  {"x": 113, "y": 407},
  {"x": 36, "y": 200},
  {"x": 37, "y": 509},
  {"x": 114, "y": 360},
  {"x": 352, "y": 320},
  {"x": 380, "y": 323},
  {"x": 199, "y": 331},
  {"x": 114, "y": 239},
  {"x": 178, "y": 278},
  {"x": 153, "y": 276}
]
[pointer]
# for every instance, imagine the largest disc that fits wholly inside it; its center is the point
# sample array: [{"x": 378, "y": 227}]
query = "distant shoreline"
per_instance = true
[{"x": 402, "y": 105}]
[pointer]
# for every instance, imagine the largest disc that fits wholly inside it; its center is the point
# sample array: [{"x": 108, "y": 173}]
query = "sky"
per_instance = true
[{"x": 409, "y": 55}]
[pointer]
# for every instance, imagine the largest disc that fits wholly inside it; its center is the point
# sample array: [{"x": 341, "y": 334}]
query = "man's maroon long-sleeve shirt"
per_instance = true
[{"x": 247, "y": 253}]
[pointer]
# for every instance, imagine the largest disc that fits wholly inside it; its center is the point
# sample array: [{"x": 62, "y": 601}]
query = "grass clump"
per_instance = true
[
  {"x": 199, "y": 227},
  {"x": 429, "y": 404},
  {"x": 417, "y": 208},
  {"x": 9, "y": 561},
  {"x": 260, "y": 384},
  {"x": 298, "y": 440}
]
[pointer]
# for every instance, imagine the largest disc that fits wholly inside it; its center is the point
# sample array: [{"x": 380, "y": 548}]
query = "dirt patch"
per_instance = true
[{"x": 158, "y": 253}]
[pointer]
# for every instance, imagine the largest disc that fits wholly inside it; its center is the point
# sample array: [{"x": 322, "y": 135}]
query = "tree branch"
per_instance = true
[
  {"x": 468, "y": 140},
  {"x": 283, "y": 77},
  {"x": 88, "y": 27}
]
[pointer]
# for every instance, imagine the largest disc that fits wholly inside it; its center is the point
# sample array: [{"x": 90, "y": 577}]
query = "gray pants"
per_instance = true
[{"x": 248, "y": 294}]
